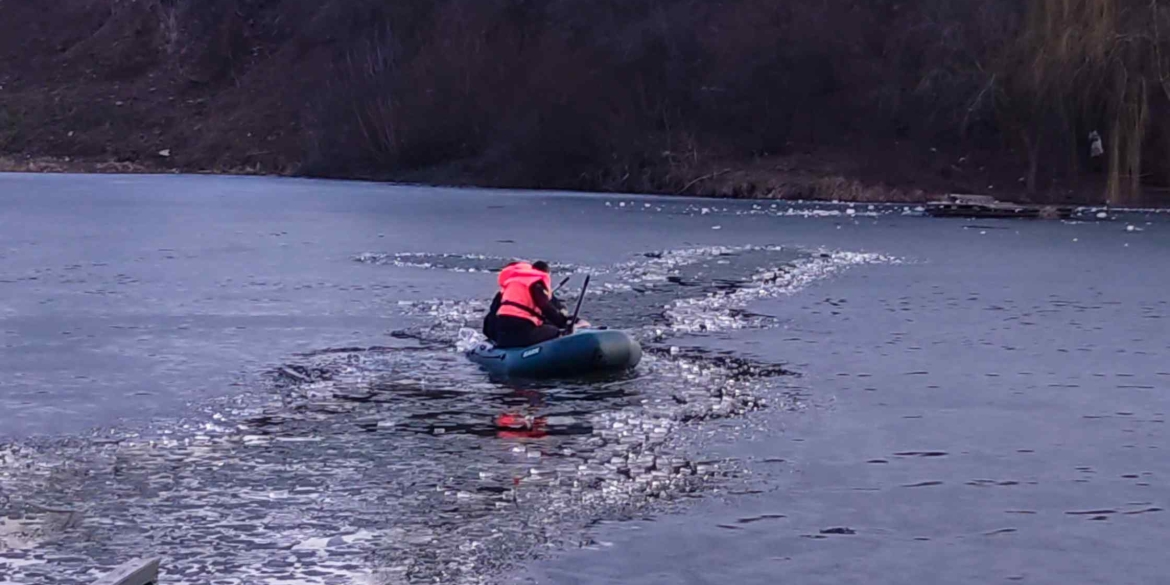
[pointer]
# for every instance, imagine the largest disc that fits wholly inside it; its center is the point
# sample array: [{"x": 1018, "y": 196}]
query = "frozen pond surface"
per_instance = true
[{"x": 258, "y": 380}]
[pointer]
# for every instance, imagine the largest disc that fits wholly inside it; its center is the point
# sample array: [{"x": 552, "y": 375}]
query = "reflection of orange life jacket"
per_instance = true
[
  {"x": 514, "y": 426},
  {"x": 515, "y": 299}
]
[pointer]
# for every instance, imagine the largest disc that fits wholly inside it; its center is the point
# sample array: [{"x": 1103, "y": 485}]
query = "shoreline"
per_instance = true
[{"x": 731, "y": 184}]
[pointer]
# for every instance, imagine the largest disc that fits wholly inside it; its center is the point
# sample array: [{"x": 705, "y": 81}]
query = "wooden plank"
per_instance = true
[{"x": 135, "y": 572}]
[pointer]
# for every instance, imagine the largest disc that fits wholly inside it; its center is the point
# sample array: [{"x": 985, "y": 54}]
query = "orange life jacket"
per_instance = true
[{"x": 515, "y": 299}]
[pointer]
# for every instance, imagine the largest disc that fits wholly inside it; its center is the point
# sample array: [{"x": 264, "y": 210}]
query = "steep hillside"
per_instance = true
[{"x": 810, "y": 98}]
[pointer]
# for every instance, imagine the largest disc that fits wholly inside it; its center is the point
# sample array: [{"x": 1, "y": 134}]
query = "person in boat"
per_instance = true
[{"x": 524, "y": 312}]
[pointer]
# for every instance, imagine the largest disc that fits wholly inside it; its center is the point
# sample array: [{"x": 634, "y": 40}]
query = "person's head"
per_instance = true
[{"x": 541, "y": 265}]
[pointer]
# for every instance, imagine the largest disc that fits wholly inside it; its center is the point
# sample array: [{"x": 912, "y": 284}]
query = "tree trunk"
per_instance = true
[
  {"x": 1033, "y": 144},
  {"x": 1113, "y": 193}
]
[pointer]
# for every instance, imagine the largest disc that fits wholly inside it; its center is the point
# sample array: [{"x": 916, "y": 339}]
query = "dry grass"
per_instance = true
[
  {"x": 10, "y": 164},
  {"x": 782, "y": 185}
]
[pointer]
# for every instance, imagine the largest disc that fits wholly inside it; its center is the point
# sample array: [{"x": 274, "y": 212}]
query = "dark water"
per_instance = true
[
  {"x": 260, "y": 381},
  {"x": 992, "y": 410}
]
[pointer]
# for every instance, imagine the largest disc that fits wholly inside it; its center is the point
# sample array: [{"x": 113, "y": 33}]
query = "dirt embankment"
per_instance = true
[{"x": 749, "y": 98}]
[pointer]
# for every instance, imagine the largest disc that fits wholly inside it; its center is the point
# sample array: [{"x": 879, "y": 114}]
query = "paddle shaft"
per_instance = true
[
  {"x": 577, "y": 310},
  {"x": 563, "y": 283}
]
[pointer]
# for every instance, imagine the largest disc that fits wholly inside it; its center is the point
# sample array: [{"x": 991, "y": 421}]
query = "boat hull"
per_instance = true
[{"x": 579, "y": 354}]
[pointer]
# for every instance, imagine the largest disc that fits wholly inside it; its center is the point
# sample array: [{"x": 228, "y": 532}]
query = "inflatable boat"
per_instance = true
[{"x": 590, "y": 351}]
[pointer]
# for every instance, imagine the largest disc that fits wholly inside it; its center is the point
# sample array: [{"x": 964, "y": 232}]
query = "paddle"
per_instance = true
[
  {"x": 562, "y": 284},
  {"x": 577, "y": 310}
]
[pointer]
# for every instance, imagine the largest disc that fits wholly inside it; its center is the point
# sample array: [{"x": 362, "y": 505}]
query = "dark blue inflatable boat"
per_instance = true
[{"x": 591, "y": 351}]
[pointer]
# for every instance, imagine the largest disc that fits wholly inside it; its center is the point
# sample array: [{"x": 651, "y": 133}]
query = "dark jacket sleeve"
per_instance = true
[
  {"x": 499, "y": 298},
  {"x": 540, "y": 297},
  {"x": 489, "y": 320},
  {"x": 558, "y": 303}
]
